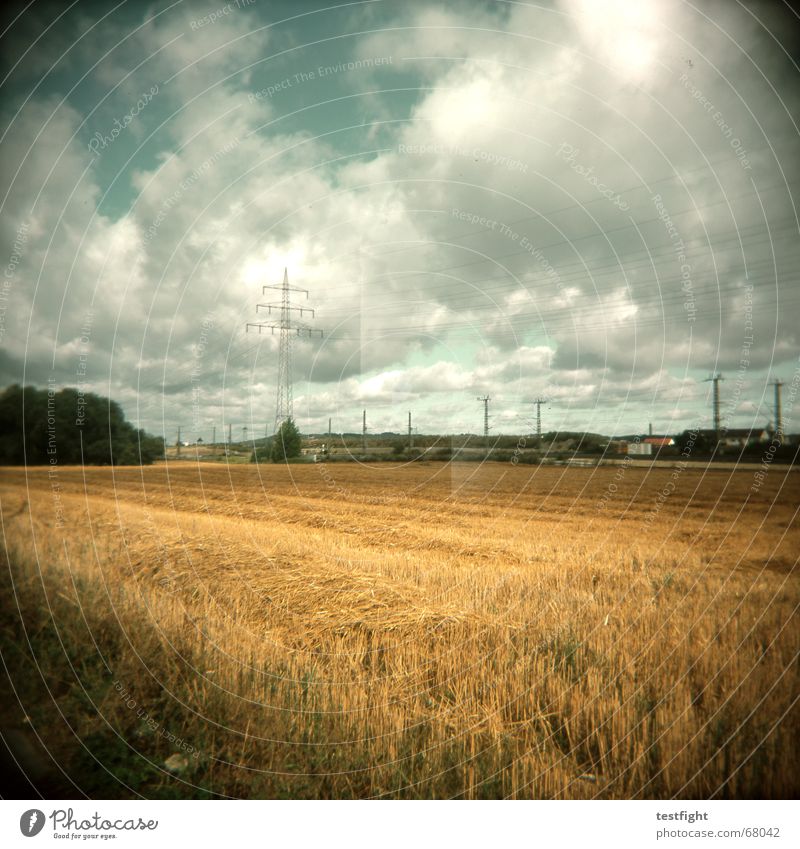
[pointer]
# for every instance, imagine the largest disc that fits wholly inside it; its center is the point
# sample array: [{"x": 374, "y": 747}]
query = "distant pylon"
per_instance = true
[
  {"x": 364, "y": 432},
  {"x": 485, "y": 399},
  {"x": 538, "y": 402},
  {"x": 285, "y": 326},
  {"x": 778, "y": 412},
  {"x": 715, "y": 379}
]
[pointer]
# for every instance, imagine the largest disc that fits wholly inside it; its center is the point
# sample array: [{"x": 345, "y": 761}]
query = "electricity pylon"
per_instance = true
[
  {"x": 715, "y": 379},
  {"x": 485, "y": 399},
  {"x": 778, "y": 413},
  {"x": 538, "y": 402},
  {"x": 288, "y": 328},
  {"x": 364, "y": 432}
]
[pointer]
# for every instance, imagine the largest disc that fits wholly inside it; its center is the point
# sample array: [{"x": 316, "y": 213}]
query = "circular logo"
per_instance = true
[{"x": 31, "y": 822}]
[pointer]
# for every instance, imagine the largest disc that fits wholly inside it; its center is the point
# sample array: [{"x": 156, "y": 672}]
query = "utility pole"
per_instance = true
[
  {"x": 778, "y": 412},
  {"x": 715, "y": 379},
  {"x": 329, "y": 429},
  {"x": 230, "y": 434},
  {"x": 214, "y": 435},
  {"x": 485, "y": 399},
  {"x": 410, "y": 433},
  {"x": 287, "y": 328},
  {"x": 538, "y": 402},
  {"x": 179, "y": 441},
  {"x": 244, "y": 434},
  {"x": 364, "y": 432}
]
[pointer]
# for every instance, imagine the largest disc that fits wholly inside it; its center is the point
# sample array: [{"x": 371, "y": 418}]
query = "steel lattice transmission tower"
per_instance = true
[
  {"x": 485, "y": 399},
  {"x": 288, "y": 328},
  {"x": 778, "y": 413},
  {"x": 715, "y": 379},
  {"x": 538, "y": 402}
]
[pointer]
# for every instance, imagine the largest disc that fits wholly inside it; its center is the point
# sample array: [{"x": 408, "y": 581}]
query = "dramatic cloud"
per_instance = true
[{"x": 591, "y": 202}]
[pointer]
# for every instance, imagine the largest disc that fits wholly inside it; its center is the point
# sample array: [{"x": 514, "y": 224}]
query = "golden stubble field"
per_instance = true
[{"x": 429, "y": 631}]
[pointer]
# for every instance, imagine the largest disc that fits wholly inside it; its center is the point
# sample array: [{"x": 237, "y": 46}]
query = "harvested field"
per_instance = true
[{"x": 426, "y": 631}]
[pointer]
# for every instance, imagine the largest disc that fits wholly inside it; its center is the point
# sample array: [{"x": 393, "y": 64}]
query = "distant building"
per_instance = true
[
  {"x": 659, "y": 441},
  {"x": 633, "y": 445},
  {"x": 739, "y": 437}
]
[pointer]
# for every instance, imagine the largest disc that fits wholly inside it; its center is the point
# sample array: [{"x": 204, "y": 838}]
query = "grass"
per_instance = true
[{"x": 408, "y": 631}]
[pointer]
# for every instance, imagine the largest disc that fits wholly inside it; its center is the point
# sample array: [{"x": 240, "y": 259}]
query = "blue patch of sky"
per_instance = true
[{"x": 307, "y": 81}]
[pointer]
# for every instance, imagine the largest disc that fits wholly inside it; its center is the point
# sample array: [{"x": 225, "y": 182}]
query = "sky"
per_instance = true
[{"x": 592, "y": 202}]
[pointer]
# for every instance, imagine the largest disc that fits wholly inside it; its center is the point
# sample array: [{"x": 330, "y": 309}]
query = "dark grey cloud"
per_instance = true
[{"x": 596, "y": 204}]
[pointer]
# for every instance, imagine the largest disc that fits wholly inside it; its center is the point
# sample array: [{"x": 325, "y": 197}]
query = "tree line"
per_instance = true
[{"x": 45, "y": 426}]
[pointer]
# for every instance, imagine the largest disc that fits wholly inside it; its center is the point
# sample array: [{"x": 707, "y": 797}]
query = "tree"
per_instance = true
[
  {"x": 694, "y": 443},
  {"x": 38, "y": 426},
  {"x": 287, "y": 442}
]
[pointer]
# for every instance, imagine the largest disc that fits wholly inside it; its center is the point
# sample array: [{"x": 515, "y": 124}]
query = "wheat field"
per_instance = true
[{"x": 430, "y": 630}]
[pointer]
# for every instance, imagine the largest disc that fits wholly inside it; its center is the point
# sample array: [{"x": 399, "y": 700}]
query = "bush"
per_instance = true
[{"x": 262, "y": 453}]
